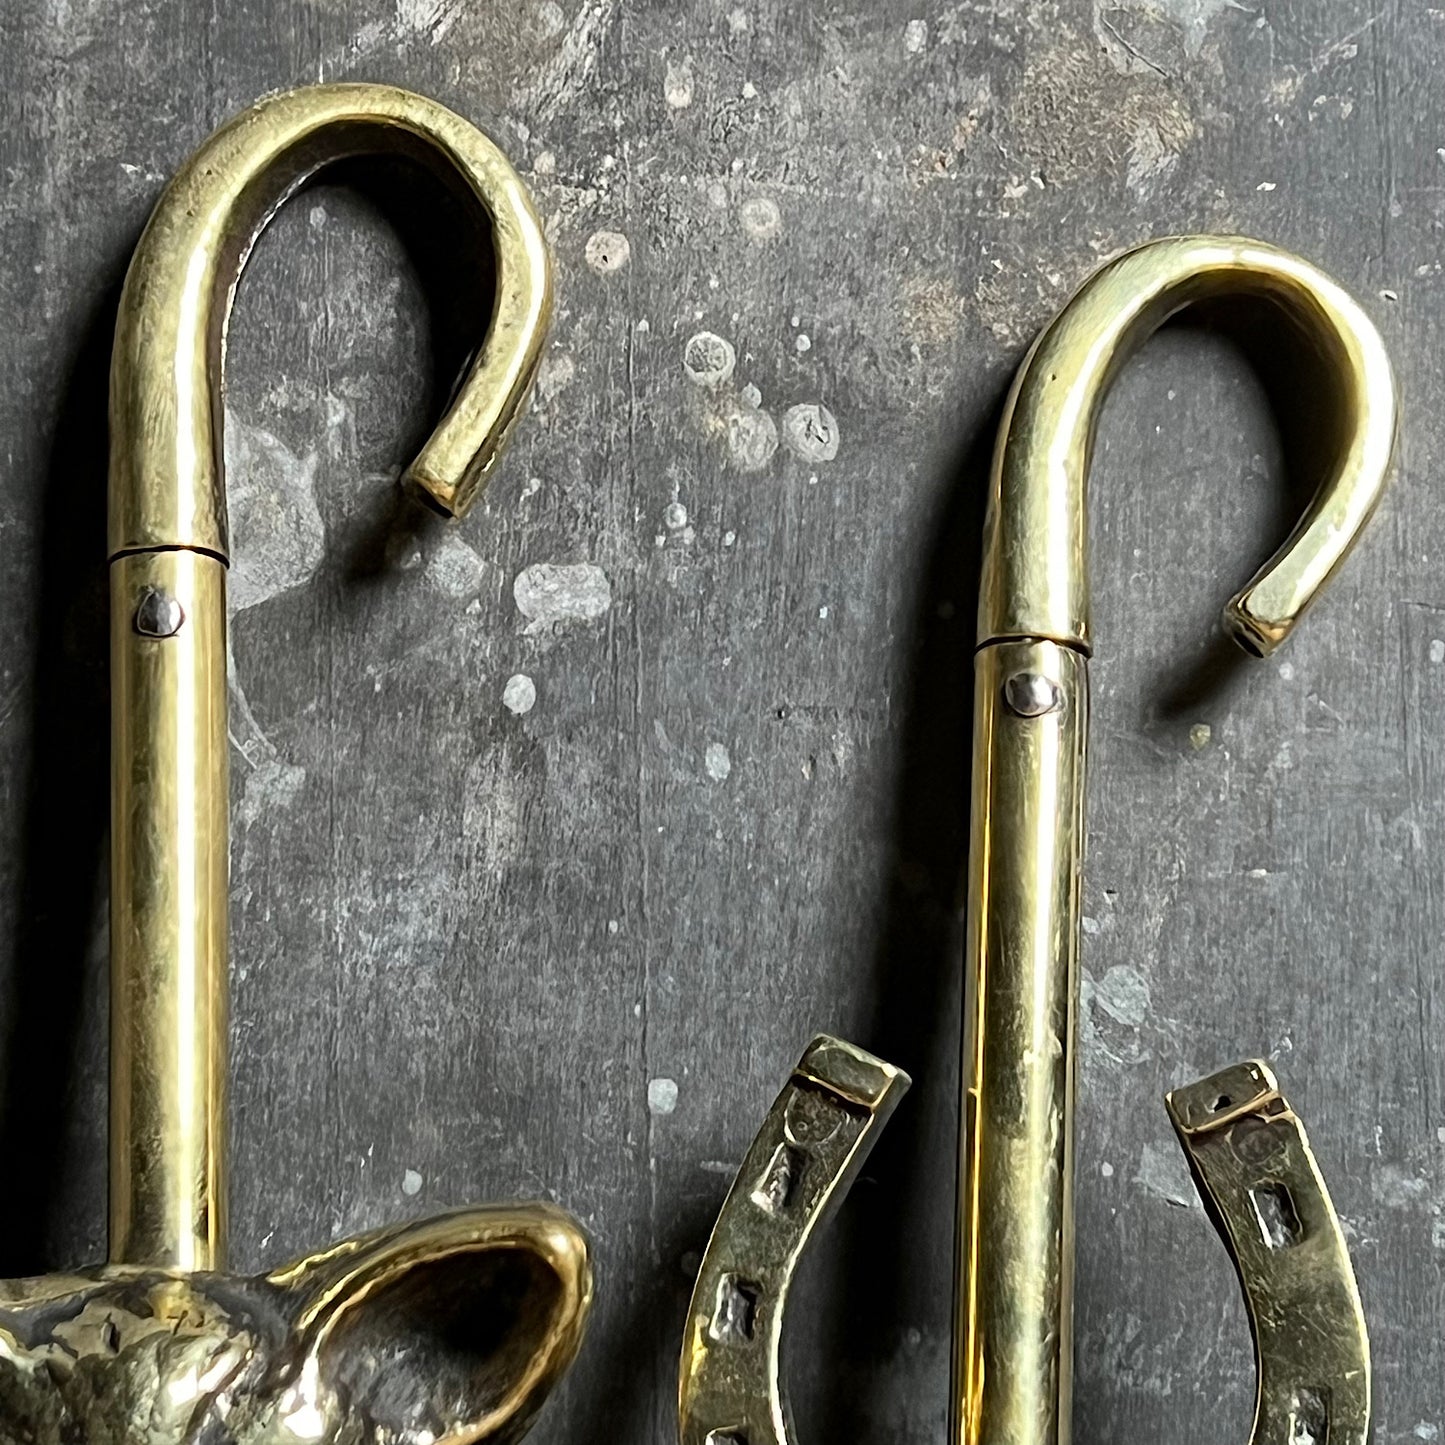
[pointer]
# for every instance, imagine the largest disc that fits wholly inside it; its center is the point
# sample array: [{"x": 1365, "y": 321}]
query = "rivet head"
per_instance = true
[
  {"x": 1029, "y": 694},
  {"x": 158, "y": 614}
]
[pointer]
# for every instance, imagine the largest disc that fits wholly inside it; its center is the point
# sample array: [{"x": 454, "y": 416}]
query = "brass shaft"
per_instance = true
[
  {"x": 168, "y": 985},
  {"x": 169, "y": 550},
  {"x": 1013, "y": 1302},
  {"x": 1012, "y": 1342}
]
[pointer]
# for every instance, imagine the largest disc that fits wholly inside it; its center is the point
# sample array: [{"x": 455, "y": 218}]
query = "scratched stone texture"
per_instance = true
[{"x": 557, "y": 833}]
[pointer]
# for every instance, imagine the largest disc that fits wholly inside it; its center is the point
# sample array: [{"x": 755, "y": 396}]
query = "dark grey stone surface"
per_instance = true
[{"x": 571, "y": 949}]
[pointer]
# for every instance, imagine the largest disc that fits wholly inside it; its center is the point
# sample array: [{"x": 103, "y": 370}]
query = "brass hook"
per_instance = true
[
  {"x": 165, "y": 416},
  {"x": 449, "y": 1331},
  {"x": 1013, "y": 1304},
  {"x": 168, "y": 545},
  {"x": 1035, "y": 579}
]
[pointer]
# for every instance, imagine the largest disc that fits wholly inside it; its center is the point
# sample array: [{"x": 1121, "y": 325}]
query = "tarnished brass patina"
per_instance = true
[
  {"x": 443, "y": 1332},
  {"x": 1013, "y": 1316}
]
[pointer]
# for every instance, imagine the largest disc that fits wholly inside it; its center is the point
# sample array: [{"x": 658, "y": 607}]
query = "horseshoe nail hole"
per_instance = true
[
  {"x": 774, "y": 1191},
  {"x": 1222, "y": 1101},
  {"x": 1279, "y": 1223},
  {"x": 735, "y": 1311},
  {"x": 726, "y": 1437},
  {"x": 1309, "y": 1417}
]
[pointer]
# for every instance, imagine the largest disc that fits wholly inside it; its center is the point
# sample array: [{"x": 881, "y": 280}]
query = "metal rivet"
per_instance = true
[
  {"x": 158, "y": 614},
  {"x": 1029, "y": 694}
]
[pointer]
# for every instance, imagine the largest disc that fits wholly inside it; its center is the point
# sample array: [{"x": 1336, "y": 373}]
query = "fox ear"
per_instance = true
[{"x": 450, "y": 1331}]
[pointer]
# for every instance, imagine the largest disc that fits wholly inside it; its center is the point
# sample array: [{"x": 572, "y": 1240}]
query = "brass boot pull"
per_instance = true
[
  {"x": 448, "y": 1331},
  {"x": 1013, "y": 1345}
]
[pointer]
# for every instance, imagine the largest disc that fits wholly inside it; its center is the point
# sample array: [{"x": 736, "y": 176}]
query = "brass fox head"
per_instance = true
[{"x": 446, "y": 1332}]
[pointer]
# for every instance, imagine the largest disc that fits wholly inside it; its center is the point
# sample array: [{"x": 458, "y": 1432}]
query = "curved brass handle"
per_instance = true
[
  {"x": 1013, "y": 1299},
  {"x": 1035, "y": 576},
  {"x": 169, "y": 827},
  {"x": 1013, "y": 1349},
  {"x": 1254, "y": 1168},
  {"x": 165, "y": 413}
]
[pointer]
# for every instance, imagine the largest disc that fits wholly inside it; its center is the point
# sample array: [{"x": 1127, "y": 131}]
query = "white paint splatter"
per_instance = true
[
  {"x": 709, "y": 360},
  {"x": 427, "y": 20},
  {"x": 276, "y": 530},
  {"x": 1437, "y": 650},
  {"x": 761, "y": 218},
  {"x": 675, "y": 517},
  {"x": 567, "y": 75},
  {"x": 455, "y": 568},
  {"x": 1164, "y": 1173},
  {"x": 1427, "y": 1430},
  {"x": 520, "y": 694},
  {"x": 810, "y": 432},
  {"x": 661, "y": 1095},
  {"x": 552, "y": 592},
  {"x": 718, "y": 762},
  {"x": 1150, "y": 159},
  {"x": 497, "y": 790},
  {"x": 915, "y": 36},
  {"x": 1396, "y": 1188},
  {"x": 752, "y": 433},
  {"x": 1106, "y": 1169},
  {"x": 557, "y": 372},
  {"x": 271, "y": 783},
  {"x": 677, "y": 88},
  {"x": 802, "y": 342},
  {"x": 1191, "y": 16},
  {"x": 1200, "y": 735},
  {"x": 1112, "y": 1014},
  {"x": 607, "y": 251},
  {"x": 411, "y": 1182}
]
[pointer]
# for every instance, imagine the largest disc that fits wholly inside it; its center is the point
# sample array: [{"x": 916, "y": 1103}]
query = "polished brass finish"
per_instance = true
[
  {"x": 1013, "y": 1306},
  {"x": 450, "y": 1330},
  {"x": 1249, "y": 1156},
  {"x": 1016, "y": 1164},
  {"x": 168, "y": 890},
  {"x": 1013, "y": 1316},
  {"x": 1035, "y": 557},
  {"x": 444, "y": 1332},
  {"x": 167, "y": 516},
  {"x": 813, "y": 1143},
  {"x": 1254, "y": 1167},
  {"x": 166, "y": 467}
]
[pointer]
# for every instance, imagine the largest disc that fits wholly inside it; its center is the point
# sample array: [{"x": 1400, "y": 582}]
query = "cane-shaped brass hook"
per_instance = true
[
  {"x": 444, "y": 1332},
  {"x": 1013, "y": 1317}
]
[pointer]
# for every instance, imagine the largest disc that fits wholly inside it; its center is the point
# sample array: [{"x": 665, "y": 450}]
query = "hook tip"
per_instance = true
[
  {"x": 450, "y": 492},
  {"x": 1258, "y": 636}
]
